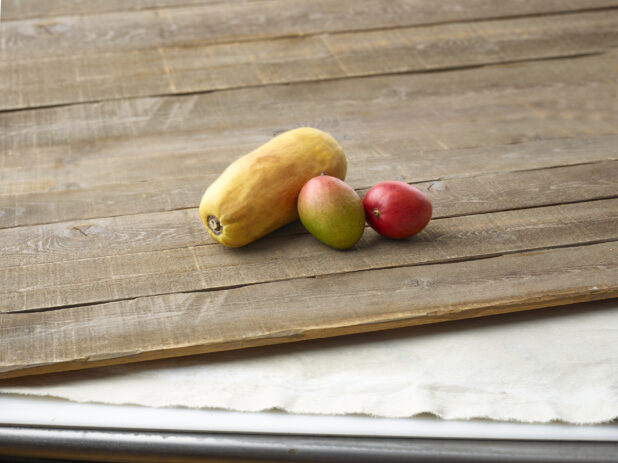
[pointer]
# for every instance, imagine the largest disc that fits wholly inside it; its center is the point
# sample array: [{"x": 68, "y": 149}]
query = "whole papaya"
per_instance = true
[{"x": 258, "y": 192}]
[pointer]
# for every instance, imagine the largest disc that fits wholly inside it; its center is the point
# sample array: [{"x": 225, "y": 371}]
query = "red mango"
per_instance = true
[{"x": 396, "y": 209}]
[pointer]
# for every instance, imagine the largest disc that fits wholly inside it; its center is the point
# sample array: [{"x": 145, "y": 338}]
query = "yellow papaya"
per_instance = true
[{"x": 257, "y": 193}]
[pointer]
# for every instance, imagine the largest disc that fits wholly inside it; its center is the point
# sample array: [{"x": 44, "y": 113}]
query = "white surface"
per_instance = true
[
  {"x": 538, "y": 366},
  {"x": 52, "y": 412}
]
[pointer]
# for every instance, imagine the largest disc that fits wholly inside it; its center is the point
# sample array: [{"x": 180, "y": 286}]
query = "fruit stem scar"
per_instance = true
[
  {"x": 214, "y": 225},
  {"x": 376, "y": 212}
]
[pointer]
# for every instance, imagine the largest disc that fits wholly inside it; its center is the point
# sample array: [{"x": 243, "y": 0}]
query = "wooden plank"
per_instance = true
[
  {"x": 75, "y": 189},
  {"x": 24, "y": 9},
  {"x": 100, "y": 75},
  {"x": 430, "y": 12},
  {"x": 307, "y": 308},
  {"x": 450, "y": 130},
  {"x": 157, "y": 231},
  {"x": 368, "y": 157},
  {"x": 169, "y": 194},
  {"x": 449, "y": 110},
  {"x": 178, "y": 171},
  {"x": 91, "y": 280},
  {"x": 86, "y": 30}
]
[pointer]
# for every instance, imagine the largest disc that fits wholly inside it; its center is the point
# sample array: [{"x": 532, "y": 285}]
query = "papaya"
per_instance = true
[{"x": 258, "y": 192}]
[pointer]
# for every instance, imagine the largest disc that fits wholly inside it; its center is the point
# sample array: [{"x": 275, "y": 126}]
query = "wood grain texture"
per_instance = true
[
  {"x": 104, "y": 258},
  {"x": 170, "y": 194},
  {"x": 430, "y": 11},
  {"x": 210, "y": 267},
  {"x": 450, "y": 196},
  {"x": 23, "y": 9},
  {"x": 447, "y": 110},
  {"x": 110, "y": 74},
  {"x": 84, "y": 29},
  {"x": 190, "y": 323},
  {"x": 110, "y": 159}
]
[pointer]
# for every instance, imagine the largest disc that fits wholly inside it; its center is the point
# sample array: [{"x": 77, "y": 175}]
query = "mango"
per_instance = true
[
  {"x": 397, "y": 210},
  {"x": 332, "y": 211},
  {"x": 258, "y": 192}
]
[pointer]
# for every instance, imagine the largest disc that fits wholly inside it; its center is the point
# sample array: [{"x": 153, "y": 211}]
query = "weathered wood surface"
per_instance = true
[
  {"x": 374, "y": 10},
  {"x": 105, "y": 260},
  {"x": 80, "y": 25},
  {"x": 519, "y": 102},
  {"x": 157, "y": 231},
  {"x": 190, "y": 323},
  {"x": 207, "y": 267},
  {"x": 22, "y": 9},
  {"x": 116, "y": 73},
  {"x": 92, "y": 165}
]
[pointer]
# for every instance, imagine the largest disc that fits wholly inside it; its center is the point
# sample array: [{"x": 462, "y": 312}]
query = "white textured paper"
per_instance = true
[{"x": 553, "y": 364}]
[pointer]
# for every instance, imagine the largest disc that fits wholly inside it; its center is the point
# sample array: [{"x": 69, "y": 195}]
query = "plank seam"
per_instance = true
[
  {"x": 286, "y": 36},
  {"x": 609, "y": 160},
  {"x": 360, "y": 189},
  {"x": 272, "y": 236},
  {"x": 145, "y": 8},
  {"x": 399, "y": 27},
  {"x": 238, "y": 286},
  {"x": 309, "y": 81}
]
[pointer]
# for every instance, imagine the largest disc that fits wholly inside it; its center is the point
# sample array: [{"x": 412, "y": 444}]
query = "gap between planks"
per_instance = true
[
  {"x": 100, "y": 8},
  {"x": 185, "y": 324},
  {"x": 411, "y": 52},
  {"x": 411, "y": 17},
  {"x": 321, "y": 275},
  {"x": 175, "y": 93},
  {"x": 374, "y": 101},
  {"x": 169, "y": 271},
  {"x": 121, "y": 7},
  {"x": 459, "y": 175},
  {"x": 291, "y": 229},
  {"x": 527, "y": 191}
]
